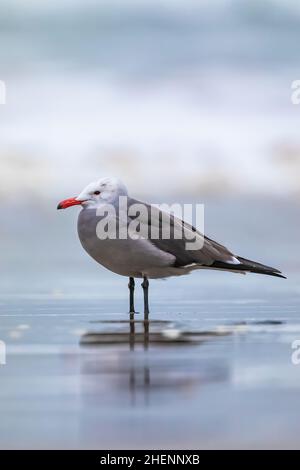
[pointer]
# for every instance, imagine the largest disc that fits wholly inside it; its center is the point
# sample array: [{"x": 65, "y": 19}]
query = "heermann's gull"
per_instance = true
[{"x": 154, "y": 255}]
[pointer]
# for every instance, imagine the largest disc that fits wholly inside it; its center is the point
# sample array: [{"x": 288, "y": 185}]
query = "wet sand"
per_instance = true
[{"x": 199, "y": 380}]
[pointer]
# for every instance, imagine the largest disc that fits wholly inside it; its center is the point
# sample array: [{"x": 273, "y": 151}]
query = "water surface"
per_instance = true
[{"x": 211, "y": 369}]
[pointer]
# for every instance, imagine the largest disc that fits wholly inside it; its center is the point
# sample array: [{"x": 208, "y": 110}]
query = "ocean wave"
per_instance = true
[{"x": 127, "y": 36}]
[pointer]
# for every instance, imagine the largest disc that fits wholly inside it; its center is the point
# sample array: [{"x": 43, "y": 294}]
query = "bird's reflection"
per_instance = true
[
  {"x": 154, "y": 360},
  {"x": 145, "y": 369},
  {"x": 145, "y": 332}
]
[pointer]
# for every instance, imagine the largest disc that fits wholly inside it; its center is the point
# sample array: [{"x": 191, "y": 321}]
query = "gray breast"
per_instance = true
[{"x": 123, "y": 256}]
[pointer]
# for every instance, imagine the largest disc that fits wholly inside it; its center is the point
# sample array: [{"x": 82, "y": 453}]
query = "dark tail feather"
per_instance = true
[
  {"x": 249, "y": 266},
  {"x": 255, "y": 267}
]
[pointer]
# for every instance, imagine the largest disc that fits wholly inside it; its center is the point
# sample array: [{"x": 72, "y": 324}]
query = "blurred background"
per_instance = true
[
  {"x": 176, "y": 96},
  {"x": 184, "y": 100}
]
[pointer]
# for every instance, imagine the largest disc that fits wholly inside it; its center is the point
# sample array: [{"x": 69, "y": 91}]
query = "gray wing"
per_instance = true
[{"x": 153, "y": 220}]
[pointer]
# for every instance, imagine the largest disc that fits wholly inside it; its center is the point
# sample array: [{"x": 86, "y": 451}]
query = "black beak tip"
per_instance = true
[{"x": 59, "y": 206}]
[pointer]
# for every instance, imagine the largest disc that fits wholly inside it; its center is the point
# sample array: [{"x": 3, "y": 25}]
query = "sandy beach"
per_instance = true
[{"x": 186, "y": 102}]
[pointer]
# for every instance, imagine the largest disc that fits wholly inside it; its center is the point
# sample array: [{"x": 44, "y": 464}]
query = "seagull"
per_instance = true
[{"x": 146, "y": 257}]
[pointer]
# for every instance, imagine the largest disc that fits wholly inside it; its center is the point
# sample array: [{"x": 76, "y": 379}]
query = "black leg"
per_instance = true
[
  {"x": 145, "y": 286},
  {"x": 131, "y": 285}
]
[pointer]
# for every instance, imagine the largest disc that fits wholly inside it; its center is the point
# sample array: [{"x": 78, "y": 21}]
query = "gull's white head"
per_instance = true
[{"x": 105, "y": 190}]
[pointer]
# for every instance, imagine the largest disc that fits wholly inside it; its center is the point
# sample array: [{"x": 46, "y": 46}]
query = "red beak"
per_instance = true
[{"x": 68, "y": 203}]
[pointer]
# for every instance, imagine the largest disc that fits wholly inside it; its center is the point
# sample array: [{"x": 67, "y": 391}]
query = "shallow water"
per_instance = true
[
  {"x": 76, "y": 377},
  {"x": 211, "y": 369}
]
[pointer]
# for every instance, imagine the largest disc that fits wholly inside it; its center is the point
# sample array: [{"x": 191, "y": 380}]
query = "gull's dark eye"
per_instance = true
[{"x": 96, "y": 193}]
